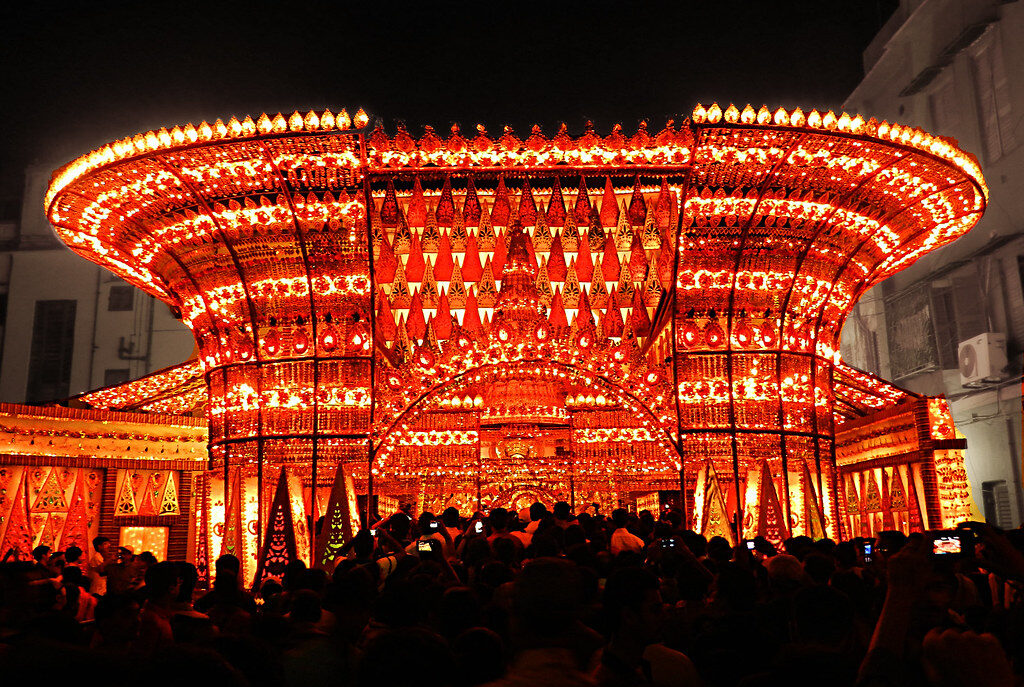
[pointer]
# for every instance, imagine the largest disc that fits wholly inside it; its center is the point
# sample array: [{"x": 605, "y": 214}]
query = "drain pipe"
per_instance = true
[{"x": 92, "y": 341}]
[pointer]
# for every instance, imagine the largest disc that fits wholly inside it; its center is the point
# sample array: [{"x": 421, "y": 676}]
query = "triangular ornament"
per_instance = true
[
  {"x": 341, "y": 517},
  {"x": 169, "y": 498},
  {"x": 51, "y": 495},
  {"x": 771, "y": 521},
  {"x": 279, "y": 541}
]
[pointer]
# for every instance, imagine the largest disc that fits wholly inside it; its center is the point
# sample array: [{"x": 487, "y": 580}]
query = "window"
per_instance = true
[
  {"x": 912, "y": 346},
  {"x": 122, "y": 297},
  {"x": 53, "y": 341},
  {"x": 996, "y": 499},
  {"x": 992, "y": 92},
  {"x": 116, "y": 376}
]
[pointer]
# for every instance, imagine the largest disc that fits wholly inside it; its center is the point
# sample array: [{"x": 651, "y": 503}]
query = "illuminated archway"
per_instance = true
[{"x": 642, "y": 428}]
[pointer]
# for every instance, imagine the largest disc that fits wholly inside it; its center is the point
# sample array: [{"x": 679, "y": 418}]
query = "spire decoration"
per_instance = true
[{"x": 278, "y": 548}]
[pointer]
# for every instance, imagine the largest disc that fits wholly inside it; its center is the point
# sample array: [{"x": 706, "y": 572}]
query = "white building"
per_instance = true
[
  {"x": 69, "y": 326},
  {"x": 956, "y": 68}
]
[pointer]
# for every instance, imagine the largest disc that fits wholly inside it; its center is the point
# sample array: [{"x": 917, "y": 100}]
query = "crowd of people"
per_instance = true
[{"x": 533, "y": 598}]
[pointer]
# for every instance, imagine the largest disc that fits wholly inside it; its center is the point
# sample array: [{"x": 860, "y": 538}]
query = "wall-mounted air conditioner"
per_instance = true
[{"x": 982, "y": 359}]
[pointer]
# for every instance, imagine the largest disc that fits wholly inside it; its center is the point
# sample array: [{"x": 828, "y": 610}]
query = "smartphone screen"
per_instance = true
[
  {"x": 478, "y": 527},
  {"x": 433, "y": 526},
  {"x": 946, "y": 545},
  {"x": 423, "y": 547},
  {"x": 373, "y": 533},
  {"x": 750, "y": 546}
]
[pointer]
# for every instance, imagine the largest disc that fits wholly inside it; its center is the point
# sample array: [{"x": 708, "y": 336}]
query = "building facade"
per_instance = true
[
  {"x": 954, "y": 67},
  {"x": 69, "y": 326}
]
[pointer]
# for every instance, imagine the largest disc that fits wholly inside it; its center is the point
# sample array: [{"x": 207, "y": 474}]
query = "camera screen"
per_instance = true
[
  {"x": 750, "y": 545},
  {"x": 423, "y": 546},
  {"x": 867, "y": 548},
  {"x": 945, "y": 545},
  {"x": 479, "y": 527}
]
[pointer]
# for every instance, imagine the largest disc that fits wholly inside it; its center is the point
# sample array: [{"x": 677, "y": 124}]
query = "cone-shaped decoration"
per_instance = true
[
  {"x": 639, "y": 320},
  {"x": 431, "y": 236},
  {"x": 556, "y": 316},
  {"x": 233, "y": 532},
  {"x": 556, "y": 206},
  {"x": 445, "y": 204},
  {"x": 663, "y": 207},
  {"x": 582, "y": 206},
  {"x": 771, "y": 521},
  {"x": 486, "y": 239},
  {"x": 169, "y": 497},
  {"x": 637, "y": 260},
  {"x": 18, "y": 535},
  {"x": 443, "y": 318},
  {"x": 501, "y": 209},
  {"x": 637, "y": 211},
  {"x": 813, "y": 520},
  {"x": 610, "y": 263},
  {"x": 571, "y": 288},
  {"x": 500, "y": 252},
  {"x": 51, "y": 495},
  {"x": 389, "y": 208},
  {"x": 444, "y": 263},
  {"x": 417, "y": 324},
  {"x": 716, "y": 517},
  {"x": 278, "y": 548},
  {"x": 471, "y": 320},
  {"x": 386, "y": 328},
  {"x": 487, "y": 289},
  {"x": 570, "y": 233},
  {"x": 457, "y": 289},
  {"x": 471, "y": 206},
  {"x": 471, "y": 267},
  {"x": 556, "y": 259},
  {"x": 416, "y": 215},
  {"x": 414, "y": 266},
  {"x": 584, "y": 261},
  {"x": 385, "y": 264},
  {"x": 527, "y": 205},
  {"x": 341, "y": 520},
  {"x": 76, "y": 527},
  {"x": 609, "y": 206}
]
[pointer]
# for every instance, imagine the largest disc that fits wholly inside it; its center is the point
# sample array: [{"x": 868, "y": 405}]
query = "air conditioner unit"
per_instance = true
[{"x": 982, "y": 359}]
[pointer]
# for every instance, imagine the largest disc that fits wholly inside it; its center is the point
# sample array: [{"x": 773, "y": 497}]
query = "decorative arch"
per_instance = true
[{"x": 659, "y": 428}]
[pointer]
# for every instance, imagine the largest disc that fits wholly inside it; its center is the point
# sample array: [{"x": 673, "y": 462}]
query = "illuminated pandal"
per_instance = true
[{"x": 672, "y": 301}]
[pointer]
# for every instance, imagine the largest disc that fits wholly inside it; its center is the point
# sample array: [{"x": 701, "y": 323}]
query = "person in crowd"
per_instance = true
[
  {"x": 101, "y": 557},
  {"x": 621, "y": 600},
  {"x": 563, "y": 514},
  {"x": 622, "y": 539},
  {"x": 634, "y": 617}
]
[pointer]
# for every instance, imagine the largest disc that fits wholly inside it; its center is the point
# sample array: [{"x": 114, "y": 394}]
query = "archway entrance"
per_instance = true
[{"x": 508, "y": 434}]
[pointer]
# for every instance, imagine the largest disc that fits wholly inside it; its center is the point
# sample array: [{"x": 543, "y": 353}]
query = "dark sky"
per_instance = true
[{"x": 75, "y": 75}]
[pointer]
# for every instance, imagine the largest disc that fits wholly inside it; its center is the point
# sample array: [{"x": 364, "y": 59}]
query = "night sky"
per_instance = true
[{"x": 76, "y": 75}]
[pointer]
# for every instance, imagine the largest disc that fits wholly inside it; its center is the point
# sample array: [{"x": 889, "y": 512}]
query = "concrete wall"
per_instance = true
[
  {"x": 933, "y": 34},
  {"x": 35, "y": 266}
]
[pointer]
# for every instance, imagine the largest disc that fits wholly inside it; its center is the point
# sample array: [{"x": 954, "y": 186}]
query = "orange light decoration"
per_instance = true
[{"x": 664, "y": 308}]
